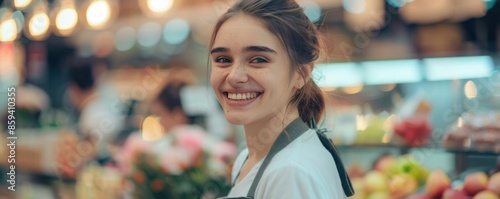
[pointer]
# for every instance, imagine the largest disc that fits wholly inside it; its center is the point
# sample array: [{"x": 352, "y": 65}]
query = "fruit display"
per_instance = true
[
  {"x": 475, "y": 130},
  {"x": 476, "y": 185},
  {"x": 391, "y": 178}
]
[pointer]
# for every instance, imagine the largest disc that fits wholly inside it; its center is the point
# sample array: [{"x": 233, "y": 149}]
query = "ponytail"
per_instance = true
[{"x": 310, "y": 102}]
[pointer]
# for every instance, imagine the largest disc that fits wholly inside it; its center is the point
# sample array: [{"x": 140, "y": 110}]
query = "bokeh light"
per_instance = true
[
  {"x": 8, "y": 27},
  {"x": 470, "y": 89},
  {"x": 21, "y": 4},
  {"x": 151, "y": 128},
  {"x": 38, "y": 26},
  {"x": 8, "y": 30},
  {"x": 18, "y": 17},
  {"x": 312, "y": 10},
  {"x": 176, "y": 31},
  {"x": 354, "y": 6},
  {"x": 387, "y": 87},
  {"x": 125, "y": 39},
  {"x": 98, "y": 14},
  {"x": 149, "y": 34},
  {"x": 353, "y": 89},
  {"x": 66, "y": 20},
  {"x": 159, "y": 6}
]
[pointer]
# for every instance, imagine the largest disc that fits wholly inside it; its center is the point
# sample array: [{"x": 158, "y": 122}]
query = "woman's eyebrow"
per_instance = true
[
  {"x": 219, "y": 50},
  {"x": 259, "y": 49},
  {"x": 246, "y": 49}
]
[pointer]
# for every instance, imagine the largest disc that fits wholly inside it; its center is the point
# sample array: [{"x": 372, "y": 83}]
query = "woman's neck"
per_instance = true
[{"x": 261, "y": 135}]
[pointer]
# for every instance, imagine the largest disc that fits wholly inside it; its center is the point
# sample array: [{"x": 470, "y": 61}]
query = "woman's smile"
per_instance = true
[{"x": 239, "y": 99}]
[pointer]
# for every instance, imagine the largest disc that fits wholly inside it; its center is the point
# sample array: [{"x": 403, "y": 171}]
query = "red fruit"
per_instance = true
[
  {"x": 494, "y": 183},
  {"x": 455, "y": 194},
  {"x": 437, "y": 183},
  {"x": 475, "y": 183},
  {"x": 415, "y": 130},
  {"x": 486, "y": 195},
  {"x": 419, "y": 196}
]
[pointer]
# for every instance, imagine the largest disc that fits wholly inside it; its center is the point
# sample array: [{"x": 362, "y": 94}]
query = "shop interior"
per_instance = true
[{"x": 412, "y": 87}]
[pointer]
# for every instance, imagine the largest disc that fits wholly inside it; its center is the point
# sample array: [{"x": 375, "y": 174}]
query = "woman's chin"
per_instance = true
[{"x": 237, "y": 120}]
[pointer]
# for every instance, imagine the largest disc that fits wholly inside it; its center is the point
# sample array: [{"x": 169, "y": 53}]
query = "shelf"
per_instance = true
[
  {"x": 393, "y": 146},
  {"x": 407, "y": 148},
  {"x": 473, "y": 152}
]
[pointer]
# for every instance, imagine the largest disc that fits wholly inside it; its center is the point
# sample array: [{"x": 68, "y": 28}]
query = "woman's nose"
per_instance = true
[{"x": 237, "y": 75}]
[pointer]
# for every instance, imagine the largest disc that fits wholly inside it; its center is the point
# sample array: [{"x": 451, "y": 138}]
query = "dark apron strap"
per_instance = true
[
  {"x": 328, "y": 144},
  {"x": 290, "y": 133}
]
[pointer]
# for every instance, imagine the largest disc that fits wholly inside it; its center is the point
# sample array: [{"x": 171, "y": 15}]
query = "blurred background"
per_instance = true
[{"x": 414, "y": 89}]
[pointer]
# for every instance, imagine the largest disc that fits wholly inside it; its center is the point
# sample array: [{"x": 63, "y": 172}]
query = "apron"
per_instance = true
[{"x": 290, "y": 133}]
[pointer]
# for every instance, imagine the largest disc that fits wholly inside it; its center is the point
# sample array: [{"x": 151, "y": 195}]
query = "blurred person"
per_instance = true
[
  {"x": 168, "y": 103},
  {"x": 168, "y": 106},
  {"x": 262, "y": 55},
  {"x": 30, "y": 99},
  {"x": 98, "y": 122}
]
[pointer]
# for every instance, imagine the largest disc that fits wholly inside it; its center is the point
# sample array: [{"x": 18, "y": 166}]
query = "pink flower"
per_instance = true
[
  {"x": 175, "y": 160},
  {"x": 192, "y": 140},
  {"x": 224, "y": 151},
  {"x": 133, "y": 145}
]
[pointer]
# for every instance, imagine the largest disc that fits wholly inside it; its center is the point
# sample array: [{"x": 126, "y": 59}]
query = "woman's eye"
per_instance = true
[
  {"x": 222, "y": 60},
  {"x": 259, "y": 60}
]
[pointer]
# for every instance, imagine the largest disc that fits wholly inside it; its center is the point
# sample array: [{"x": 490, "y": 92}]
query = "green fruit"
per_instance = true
[{"x": 407, "y": 165}]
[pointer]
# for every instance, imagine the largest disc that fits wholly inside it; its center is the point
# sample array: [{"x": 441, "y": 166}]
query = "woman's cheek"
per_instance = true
[{"x": 216, "y": 76}]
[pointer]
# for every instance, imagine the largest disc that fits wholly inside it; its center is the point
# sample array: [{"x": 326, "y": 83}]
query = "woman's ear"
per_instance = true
[{"x": 303, "y": 75}]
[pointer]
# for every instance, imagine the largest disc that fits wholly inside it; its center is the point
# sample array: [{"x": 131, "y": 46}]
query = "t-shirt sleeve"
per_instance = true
[{"x": 291, "y": 181}]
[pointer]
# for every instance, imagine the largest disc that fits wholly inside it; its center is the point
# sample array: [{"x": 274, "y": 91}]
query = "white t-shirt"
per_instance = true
[{"x": 303, "y": 169}]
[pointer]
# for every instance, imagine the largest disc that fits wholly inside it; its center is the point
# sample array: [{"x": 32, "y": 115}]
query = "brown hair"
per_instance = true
[{"x": 299, "y": 36}]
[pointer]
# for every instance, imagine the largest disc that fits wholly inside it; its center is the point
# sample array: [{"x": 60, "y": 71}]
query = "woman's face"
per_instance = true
[{"x": 251, "y": 72}]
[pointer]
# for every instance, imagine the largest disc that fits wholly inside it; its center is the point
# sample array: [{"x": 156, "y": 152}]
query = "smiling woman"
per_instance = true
[{"x": 262, "y": 54}]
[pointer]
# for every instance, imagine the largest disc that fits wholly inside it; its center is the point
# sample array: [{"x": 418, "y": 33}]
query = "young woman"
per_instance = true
[{"x": 262, "y": 54}]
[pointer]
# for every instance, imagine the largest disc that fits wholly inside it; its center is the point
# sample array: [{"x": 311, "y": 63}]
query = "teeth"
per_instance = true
[{"x": 242, "y": 96}]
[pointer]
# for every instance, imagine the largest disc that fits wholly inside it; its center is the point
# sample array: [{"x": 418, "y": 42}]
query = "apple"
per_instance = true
[
  {"x": 402, "y": 185},
  {"x": 375, "y": 181},
  {"x": 454, "y": 194},
  {"x": 379, "y": 195},
  {"x": 419, "y": 196},
  {"x": 475, "y": 183},
  {"x": 357, "y": 185},
  {"x": 408, "y": 165},
  {"x": 486, "y": 195},
  {"x": 355, "y": 171},
  {"x": 386, "y": 164},
  {"x": 494, "y": 183},
  {"x": 437, "y": 183}
]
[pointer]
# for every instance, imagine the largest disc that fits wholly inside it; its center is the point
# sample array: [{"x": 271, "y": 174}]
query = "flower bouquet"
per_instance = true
[{"x": 185, "y": 163}]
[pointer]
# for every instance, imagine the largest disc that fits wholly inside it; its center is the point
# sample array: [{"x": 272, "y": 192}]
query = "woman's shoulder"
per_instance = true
[
  {"x": 307, "y": 153},
  {"x": 306, "y": 146}
]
